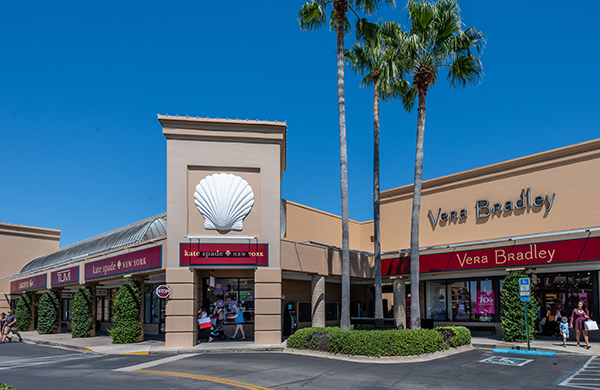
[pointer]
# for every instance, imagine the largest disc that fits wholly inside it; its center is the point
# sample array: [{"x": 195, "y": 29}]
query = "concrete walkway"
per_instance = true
[
  {"x": 103, "y": 344},
  {"x": 542, "y": 343}
]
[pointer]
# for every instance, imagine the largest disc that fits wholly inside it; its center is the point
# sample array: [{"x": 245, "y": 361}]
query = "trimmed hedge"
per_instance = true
[
  {"x": 379, "y": 342},
  {"x": 455, "y": 336},
  {"x": 83, "y": 318},
  {"x": 48, "y": 312},
  {"x": 23, "y": 313},
  {"x": 127, "y": 326}
]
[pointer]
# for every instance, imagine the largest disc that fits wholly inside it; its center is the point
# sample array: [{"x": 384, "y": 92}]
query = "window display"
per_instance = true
[
  {"x": 436, "y": 301},
  {"x": 461, "y": 300},
  {"x": 228, "y": 293}
]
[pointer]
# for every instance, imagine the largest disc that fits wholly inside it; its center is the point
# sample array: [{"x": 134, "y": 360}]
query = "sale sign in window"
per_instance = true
[{"x": 484, "y": 303}]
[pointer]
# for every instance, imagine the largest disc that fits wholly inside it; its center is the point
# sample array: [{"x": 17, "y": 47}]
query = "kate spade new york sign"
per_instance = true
[{"x": 484, "y": 208}]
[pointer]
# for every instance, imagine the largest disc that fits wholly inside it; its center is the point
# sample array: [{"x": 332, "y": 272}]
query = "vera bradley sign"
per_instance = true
[
  {"x": 543, "y": 253},
  {"x": 127, "y": 263}
]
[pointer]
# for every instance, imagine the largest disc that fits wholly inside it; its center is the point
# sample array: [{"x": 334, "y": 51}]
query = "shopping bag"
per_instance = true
[
  {"x": 544, "y": 320},
  {"x": 204, "y": 323},
  {"x": 591, "y": 325}
]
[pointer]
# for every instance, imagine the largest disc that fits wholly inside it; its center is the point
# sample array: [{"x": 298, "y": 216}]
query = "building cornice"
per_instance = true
[
  {"x": 226, "y": 130},
  {"x": 29, "y": 231},
  {"x": 545, "y": 160}
]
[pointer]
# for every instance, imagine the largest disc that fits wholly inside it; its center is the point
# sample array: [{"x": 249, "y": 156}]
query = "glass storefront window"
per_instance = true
[
  {"x": 229, "y": 293},
  {"x": 461, "y": 300},
  {"x": 67, "y": 309},
  {"x": 152, "y": 306},
  {"x": 563, "y": 291},
  {"x": 436, "y": 305}
]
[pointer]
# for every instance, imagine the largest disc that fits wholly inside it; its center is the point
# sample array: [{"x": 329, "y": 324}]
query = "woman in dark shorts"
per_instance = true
[{"x": 578, "y": 319}]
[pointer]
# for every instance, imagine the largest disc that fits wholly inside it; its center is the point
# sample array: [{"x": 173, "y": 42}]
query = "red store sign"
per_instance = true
[
  {"x": 130, "y": 262},
  {"x": 223, "y": 254},
  {"x": 545, "y": 253},
  {"x": 31, "y": 283},
  {"x": 65, "y": 276}
]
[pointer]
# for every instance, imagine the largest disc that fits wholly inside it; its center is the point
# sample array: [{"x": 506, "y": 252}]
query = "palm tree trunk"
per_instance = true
[
  {"x": 340, "y": 8},
  {"x": 376, "y": 238},
  {"x": 415, "y": 311}
]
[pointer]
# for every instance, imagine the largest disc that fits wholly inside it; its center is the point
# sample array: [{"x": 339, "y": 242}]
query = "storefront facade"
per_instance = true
[
  {"x": 232, "y": 244},
  {"x": 533, "y": 214}
]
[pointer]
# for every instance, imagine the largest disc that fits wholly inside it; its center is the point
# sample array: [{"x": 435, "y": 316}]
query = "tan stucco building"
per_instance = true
[{"x": 230, "y": 240}]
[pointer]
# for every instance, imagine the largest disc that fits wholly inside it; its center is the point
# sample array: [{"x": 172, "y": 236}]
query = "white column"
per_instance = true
[
  {"x": 318, "y": 301},
  {"x": 400, "y": 302}
]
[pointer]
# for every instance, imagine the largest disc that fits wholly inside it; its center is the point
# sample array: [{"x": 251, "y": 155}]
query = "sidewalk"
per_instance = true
[
  {"x": 542, "y": 343},
  {"x": 103, "y": 344}
]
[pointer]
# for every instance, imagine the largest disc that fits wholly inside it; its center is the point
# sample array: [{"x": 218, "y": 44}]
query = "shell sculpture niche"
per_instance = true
[{"x": 224, "y": 200}]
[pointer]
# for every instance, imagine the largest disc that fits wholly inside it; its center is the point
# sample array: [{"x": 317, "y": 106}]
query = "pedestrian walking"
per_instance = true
[
  {"x": 11, "y": 326},
  {"x": 239, "y": 319},
  {"x": 203, "y": 325},
  {"x": 564, "y": 330},
  {"x": 578, "y": 318},
  {"x": 2, "y": 322}
]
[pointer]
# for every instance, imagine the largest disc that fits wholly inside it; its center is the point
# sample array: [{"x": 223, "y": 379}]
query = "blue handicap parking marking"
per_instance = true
[{"x": 507, "y": 361}]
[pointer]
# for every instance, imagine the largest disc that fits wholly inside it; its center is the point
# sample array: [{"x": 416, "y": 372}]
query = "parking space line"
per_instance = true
[
  {"x": 155, "y": 362},
  {"x": 207, "y": 378},
  {"x": 50, "y": 360},
  {"x": 585, "y": 377}
]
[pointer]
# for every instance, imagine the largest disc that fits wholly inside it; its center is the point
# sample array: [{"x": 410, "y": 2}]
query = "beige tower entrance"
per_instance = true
[{"x": 223, "y": 156}]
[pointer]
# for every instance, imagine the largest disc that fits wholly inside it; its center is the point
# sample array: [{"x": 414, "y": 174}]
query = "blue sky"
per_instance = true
[{"x": 81, "y": 84}]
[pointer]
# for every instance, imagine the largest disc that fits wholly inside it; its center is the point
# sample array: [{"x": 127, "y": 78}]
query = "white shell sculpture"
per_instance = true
[{"x": 224, "y": 200}]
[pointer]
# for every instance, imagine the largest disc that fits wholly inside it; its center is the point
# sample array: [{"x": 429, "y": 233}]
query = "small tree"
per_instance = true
[
  {"x": 513, "y": 309},
  {"x": 126, "y": 322},
  {"x": 23, "y": 313},
  {"x": 48, "y": 312},
  {"x": 83, "y": 318}
]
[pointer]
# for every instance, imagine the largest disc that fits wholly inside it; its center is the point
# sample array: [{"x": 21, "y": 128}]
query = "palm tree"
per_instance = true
[
  {"x": 436, "y": 40},
  {"x": 311, "y": 16},
  {"x": 385, "y": 74}
]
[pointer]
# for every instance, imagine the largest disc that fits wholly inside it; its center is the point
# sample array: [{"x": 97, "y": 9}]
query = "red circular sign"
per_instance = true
[{"x": 163, "y": 291}]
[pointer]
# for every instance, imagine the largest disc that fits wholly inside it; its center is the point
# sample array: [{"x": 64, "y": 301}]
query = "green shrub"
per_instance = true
[
  {"x": 127, "y": 327},
  {"x": 368, "y": 342},
  {"x": 82, "y": 323},
  {"x": 455, "y": 336},
  {"x": 6, "y": 387},
  {"x": 23, "y": 313},
  {"x": 513, "y": 309},
  {"x": 48, "y": 312}
]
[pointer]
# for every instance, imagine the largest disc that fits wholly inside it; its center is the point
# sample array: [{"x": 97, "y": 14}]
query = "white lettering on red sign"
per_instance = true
[
  {"x": 64, "y": 276},
  {"x": 163, "y": 291}
]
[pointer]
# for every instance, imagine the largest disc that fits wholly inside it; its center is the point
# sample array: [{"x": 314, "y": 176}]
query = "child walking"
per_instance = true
[
  {"x": 564, "y": 330},
  {"x": 239, "y": 319}
]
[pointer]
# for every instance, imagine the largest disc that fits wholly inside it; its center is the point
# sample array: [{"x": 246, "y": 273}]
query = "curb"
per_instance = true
[
  {"x": 520, "y": 350},
  {"x": 173, "y": 351},
  {"x": 384, "y": 359},
  {"x": 58, "y": 345},
  {"x": 214, "y": 351},
  {"x": 524, "y": 352}
]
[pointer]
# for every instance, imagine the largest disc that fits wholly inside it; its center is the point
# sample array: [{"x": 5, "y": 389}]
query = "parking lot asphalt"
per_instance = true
[{"x": 27, "y": 366}]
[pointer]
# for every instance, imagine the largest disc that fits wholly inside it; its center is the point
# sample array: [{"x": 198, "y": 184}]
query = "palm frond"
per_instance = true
[
  {"x": 369, "y": 7},
  {"x": 312, "y": 15},
  {"x": 408, "y": 95},
  {"x": 465, "y": 70},
  {"x": 366, "y": 29}
]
